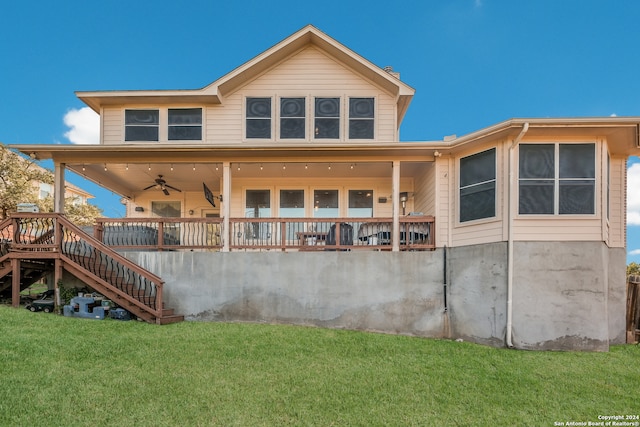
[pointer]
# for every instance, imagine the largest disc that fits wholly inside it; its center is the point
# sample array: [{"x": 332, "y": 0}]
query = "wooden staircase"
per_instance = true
[{"x": 32, "y": 245}]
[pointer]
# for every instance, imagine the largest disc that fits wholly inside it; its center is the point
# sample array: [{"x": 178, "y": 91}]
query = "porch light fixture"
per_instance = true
[
  {"x": 194, "y": 166},
  {"x": 284, "y": 166},
  {"x": 171, "y": 166},
  {"x": 149, "y": 166},
  {"x": 261, "y": 166},
  {"x": 126, "y": 166},
  {"x": 105, "y": 167},
  {"x": 329, "y": 166}
]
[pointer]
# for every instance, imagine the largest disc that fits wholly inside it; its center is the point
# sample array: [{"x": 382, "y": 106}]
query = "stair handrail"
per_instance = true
[{"x": 145, "y": 274}]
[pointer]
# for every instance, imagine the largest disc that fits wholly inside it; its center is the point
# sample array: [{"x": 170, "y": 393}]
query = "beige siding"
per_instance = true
[
  {"x": 112, "y": 125},
  {"x": 444, "y": 206},
  {"x": 618, "y": 208},
  {"x": 558, "y": 229},
  {"x": 425, "y": 190}
]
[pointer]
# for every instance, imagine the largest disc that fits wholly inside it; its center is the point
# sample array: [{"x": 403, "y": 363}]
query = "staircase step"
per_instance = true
[{"x": 166, "y": 320}]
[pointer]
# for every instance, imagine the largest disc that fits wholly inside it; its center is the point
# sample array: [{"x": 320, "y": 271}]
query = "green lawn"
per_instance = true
[{"x": 57, "y": 371}]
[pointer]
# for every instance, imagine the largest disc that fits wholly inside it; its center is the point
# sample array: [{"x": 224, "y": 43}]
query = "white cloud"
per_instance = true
[
  {"x": 633, "y": 194},
  {"x": 634, "y": 252},
  {"x": 84, "y": 126}
]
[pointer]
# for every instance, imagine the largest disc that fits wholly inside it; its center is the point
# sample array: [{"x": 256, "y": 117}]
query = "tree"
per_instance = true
[
  {"x": 17, "y": 178},
  {"x": 633, "y": 269}
]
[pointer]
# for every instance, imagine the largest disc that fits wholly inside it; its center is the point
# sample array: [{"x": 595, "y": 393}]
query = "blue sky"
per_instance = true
[{"x": 473, "y": 63}]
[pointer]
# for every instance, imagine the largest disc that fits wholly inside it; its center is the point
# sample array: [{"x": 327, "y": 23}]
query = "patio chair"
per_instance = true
[{"x": 346, "y": 236}]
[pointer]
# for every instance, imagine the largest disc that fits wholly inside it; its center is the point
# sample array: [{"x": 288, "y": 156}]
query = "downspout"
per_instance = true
[{"x": 510, "y": 215}]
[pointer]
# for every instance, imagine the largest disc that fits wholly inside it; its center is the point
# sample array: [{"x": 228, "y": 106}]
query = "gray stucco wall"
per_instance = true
[{"x": 566, "y": 295}]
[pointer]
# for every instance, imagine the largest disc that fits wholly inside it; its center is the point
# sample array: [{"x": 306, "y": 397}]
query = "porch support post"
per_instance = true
[
  {"x": 395, "y": 179},
  {"x": 15, "y": 282},
  {"x": 226, "y": 205},
  {"x": 58, "y": 192}
]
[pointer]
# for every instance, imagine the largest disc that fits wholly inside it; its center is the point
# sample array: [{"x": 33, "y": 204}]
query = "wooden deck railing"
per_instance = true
[
  {"x": 53, "y": 236},
  {"x": 299, "y": 234}
]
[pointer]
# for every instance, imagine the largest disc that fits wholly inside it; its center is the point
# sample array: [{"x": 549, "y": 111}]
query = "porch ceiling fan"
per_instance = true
[{"x": 161, "y": 184}]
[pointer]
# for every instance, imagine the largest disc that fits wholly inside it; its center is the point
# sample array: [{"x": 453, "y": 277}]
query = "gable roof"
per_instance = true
[{"x": 215, "y": 92}]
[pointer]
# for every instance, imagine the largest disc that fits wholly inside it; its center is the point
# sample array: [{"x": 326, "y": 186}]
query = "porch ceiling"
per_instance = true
[{"x": 130, "y": 179}]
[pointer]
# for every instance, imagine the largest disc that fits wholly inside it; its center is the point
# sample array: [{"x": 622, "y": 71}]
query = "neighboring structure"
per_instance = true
[{"x": 529, "y": 229}]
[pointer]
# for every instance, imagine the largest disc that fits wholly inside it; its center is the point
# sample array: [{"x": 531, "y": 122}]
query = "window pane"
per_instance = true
[
  {"x": 537, "y": 161},
  {"x": 325, "y": 204},
  {"x": 292, "y": 128},
  {"x": 361, "y": 129},
  {"x": 292, "y": 201},
  {"x": 327, "y": 129},
  {"x": 360, "y": 203},
  {"x": 185, "y": 116},
  {"x": 141, "y": 117},
  {"x": 577, "y": 196},
  {"x": 258, "y": 128},
  {"x": 536, "y": 197},
  {"x": 258, "y": 204},
  {"x": 327, "y": 107},
  {"x": 577, "y": 161},
  {"x": 166, "y": 209},
  {"x": 141, "y": 133},
  {"x": 361, "y": 108},
  {"x": 259, "y": 107},
  {"x": 478, "y": 168},
  {"x": 185, "y": 133},
  {"x": 478, "y": 202}
]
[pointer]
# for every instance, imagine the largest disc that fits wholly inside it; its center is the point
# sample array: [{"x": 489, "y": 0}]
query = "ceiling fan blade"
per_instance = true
[
  {"x": 149, "y": 187},
  {"x": 165, "y": 191},
  {"x": 173, "y": 188}
]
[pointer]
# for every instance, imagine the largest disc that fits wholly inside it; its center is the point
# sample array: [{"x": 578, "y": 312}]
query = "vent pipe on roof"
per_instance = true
[{"x": 389, "y": 69}]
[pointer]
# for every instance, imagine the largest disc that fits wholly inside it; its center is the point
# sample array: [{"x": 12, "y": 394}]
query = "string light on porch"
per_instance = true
[
  {"x": 194, "y": 166},
  {"x": 149, "y": 166},
  {"x": 284, "y": 166},
  {"x": 238, "y": 166},
  {"x": 126, "y": 167},
  {"x": 172, "y": 166},
  {"x": 105, "y": 167},
  {"x": 261, "y": 166},
  {"x": 306, "y": 166},
  {"x": 329, "y": 166},
  {"x": 84, "y": 168}
]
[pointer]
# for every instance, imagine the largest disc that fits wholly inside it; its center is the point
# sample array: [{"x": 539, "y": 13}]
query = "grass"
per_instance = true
[{"x": 67, "y": 371}]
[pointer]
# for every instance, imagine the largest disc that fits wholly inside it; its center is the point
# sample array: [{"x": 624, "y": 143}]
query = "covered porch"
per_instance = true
[{"x": 236, "y": 197}]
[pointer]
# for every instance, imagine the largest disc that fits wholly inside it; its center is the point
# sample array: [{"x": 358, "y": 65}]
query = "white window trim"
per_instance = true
[
  {"x": 556, "y": 185},
  {"x": 163, "y": 124}
]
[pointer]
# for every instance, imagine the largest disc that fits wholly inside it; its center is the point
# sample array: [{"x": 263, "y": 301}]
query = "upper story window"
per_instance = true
[
  {"x": 361, "y": 118},
  {"x": 258, "y": 118},
  {"x": 185, "y": 124},
  {"x": 141, "y": 125},
  {"x": 292, "y": 118},
  {"x": 557, "y": 179},
  {"x": 327, "y": 118},
  {"x": 478, "y": 186}
]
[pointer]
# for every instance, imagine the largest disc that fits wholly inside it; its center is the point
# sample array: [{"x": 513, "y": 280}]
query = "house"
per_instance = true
[{"x": 281, "y": 192}]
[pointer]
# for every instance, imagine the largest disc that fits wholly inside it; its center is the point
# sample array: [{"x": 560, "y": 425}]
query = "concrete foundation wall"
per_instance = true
[{"x": 566, "y": 295}]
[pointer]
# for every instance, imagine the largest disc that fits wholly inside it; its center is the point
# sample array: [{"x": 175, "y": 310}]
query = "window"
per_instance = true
[
  {"x": 141, "y": 125},
  {"x": 258, "y": 205},
  {"x": 292, "y": 118},
  {"x": 478, "y": 186},
  {"x": 360, "y": 203},
  {"x": 325, "y": 204},
  {"x": 361, "y": 118},
  {"x": 327, "y": 118},
  {"x": 291, "y": 206},
  {"x": 185, "y": 124},
  {"x": 166, "y": 209},
  {"x": 557, "y": 179},
  {"x": 258, "y": 118}
]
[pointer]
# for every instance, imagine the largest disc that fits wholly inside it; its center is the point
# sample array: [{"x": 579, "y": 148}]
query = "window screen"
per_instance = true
[
  {"x": 478, "y": 186},
  {"x": 185, "y": 124},
  {"x": 141, "y": 125},
  {"x": 361, "y": 118},
  {"x": 327, "y": 118},
  {"x": 258, "y": 118},
  {"x": 292, "y": 118}
]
